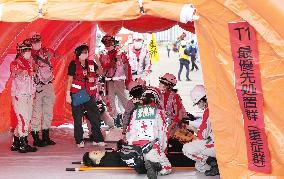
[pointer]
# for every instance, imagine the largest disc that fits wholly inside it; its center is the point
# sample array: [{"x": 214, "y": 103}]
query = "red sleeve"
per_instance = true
[
  {"x": 129, "y": 74},
  {"x": 178, "y": 108}
]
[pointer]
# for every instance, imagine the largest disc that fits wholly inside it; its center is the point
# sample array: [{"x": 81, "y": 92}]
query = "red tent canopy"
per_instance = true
[
  {"x": 144, "y": 24},
  {"x": 62, "y": 36}
]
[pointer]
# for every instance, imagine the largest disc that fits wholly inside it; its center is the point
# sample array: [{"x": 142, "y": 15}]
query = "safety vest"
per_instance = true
[
  {"x": 42, "y": 58},
  {"x": 172, "y": 104},
  {"x": 22, "y": 84},
  {"x": 81, "y": 79},
  {"x": 114, "y": 65},
  {"x": 144, "y": 125},
  {"x": 139, "y": 61},
  {"x": 182, "y": 54}
]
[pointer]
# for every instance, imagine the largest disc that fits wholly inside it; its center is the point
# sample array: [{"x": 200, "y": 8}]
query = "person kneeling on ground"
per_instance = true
[
  {"x": 147, "y": 130},
  {"x": 136, "y": 89},
  {"x": 202, "y": 150}
]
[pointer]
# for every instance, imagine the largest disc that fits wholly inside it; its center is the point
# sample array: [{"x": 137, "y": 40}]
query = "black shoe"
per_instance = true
[
  {"x": 16, "y": 144},
  {"x": 45, "y": 137},
  {"x": 24, "y": 147},
  {"x": 118, "y": 120},
  {"x": 213, "y": 171},
  {"x": 188, "y": 79},
  {"x": 151, "y": 172},
  {"x": 37, "y": 142}
]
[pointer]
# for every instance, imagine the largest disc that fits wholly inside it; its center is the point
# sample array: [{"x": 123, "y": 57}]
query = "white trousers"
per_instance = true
[
  {"x": 43, "y": 108},
  {"x": 197, "y": 151},
  {"x": 157, "y": 155},
  {"x": 117, "y": 88},
  {"x": 23, "y": 106}
]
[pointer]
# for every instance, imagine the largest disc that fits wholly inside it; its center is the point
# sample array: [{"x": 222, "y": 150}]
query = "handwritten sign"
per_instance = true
[{"x": 249, "y": 93}]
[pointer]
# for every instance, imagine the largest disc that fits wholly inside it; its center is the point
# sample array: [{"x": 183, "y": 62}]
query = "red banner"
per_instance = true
[{"x": 249, "y": 93}]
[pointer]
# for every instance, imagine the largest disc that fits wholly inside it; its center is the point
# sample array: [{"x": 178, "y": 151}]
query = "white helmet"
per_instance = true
[
  {"x": 183, "y": 43},
  {"x": 169, "y": 79},
  {"x": 197, "y": 93},
  {"x": 137, "y": 36}
]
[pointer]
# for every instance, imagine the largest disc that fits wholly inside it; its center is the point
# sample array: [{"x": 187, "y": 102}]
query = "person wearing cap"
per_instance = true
[
  {"x": 82, "y": 76},
  {"x": 136, "y": 89},
  {"x": 139, "y": 57},
  {"x": 147, "y": 125},
  {"x": 171, "y": 102},
  {"x": 45, "y": 95},
  {"x": 117, "y": 73},
  {"x": 183, "y": 60},
  {"x": 202, "y": 150},
  {"x": 22, "y": 92}
]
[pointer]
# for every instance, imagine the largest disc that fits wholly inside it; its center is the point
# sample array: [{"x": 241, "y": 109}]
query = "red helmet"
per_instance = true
[
  {"x": 107, "y": 39},
  {"x": 35, "y": 38},
  {"x": 168, "y": 79},
  {"x": 25, "y": 45}
]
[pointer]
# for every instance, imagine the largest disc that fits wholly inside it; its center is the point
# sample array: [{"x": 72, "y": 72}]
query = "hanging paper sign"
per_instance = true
[
  {"x": 249, "y": 93},
  {"x": 153, "y": 50}
]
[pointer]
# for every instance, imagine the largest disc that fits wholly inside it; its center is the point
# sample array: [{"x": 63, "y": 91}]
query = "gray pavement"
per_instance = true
[{"x": 171, "y": 65}]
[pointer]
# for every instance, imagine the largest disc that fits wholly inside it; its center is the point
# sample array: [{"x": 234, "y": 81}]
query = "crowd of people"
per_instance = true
[{"x": 151, "y": 115}]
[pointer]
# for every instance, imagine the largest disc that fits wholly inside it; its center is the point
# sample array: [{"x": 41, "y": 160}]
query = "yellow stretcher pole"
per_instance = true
[{"x": 84, "y": 168}]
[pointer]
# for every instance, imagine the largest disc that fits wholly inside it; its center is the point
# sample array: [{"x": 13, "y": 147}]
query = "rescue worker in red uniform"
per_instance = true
[
  {"x": 202, "y": 150},
  {"x": 117, "y": 73},
  {"x": 22, "y": 92},
  {"x": 171, "y": 102},
  {"x": 82, "y": 76},
  {"x": 44, "y": 96}
]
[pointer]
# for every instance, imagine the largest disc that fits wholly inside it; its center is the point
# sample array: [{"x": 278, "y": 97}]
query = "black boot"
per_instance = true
[
  {"x": 45, "y": 137},
  {"x": 212, "y": 161},
  {"x": 37, "y": 142},
  {"x": 25, "y": 147},
  {"x": 214, "y": 170},
  {"x": 16, "y": 144},
  {"x": 152, "y": 169}
]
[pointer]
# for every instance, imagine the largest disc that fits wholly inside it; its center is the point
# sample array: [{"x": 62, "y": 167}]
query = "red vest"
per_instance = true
[{"x": 81, "y": 79}]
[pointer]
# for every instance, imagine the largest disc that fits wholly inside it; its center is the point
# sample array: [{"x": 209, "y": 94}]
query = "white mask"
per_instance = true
[
  {"x": 83, "y": 56},
  {"x": 138, "y": 45},
  {"x": 27, "y": 55},
  {"x": 37, "y": 46}
]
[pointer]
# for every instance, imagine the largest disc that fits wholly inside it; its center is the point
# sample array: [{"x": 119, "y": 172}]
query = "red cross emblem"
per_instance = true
[{"x": 144, "y": 126}]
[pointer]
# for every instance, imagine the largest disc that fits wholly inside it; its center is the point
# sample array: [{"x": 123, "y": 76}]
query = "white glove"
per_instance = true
[{"x": 68, "y": 97}]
